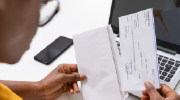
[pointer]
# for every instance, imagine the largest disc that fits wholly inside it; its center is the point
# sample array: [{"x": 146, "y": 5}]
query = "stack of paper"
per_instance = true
[{"x": 108, "y": 74}]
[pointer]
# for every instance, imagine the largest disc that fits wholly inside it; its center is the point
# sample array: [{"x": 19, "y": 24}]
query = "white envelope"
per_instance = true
[{"x": 98, "y": 57}]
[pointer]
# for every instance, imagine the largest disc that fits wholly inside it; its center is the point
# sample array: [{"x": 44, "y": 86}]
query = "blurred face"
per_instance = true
[{"x": 18, "y": 25}]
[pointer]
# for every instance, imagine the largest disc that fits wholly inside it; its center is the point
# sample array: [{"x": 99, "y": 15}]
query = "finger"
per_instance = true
[
  {"x": 70, "y": 89},
  {"x": 72, "y": 77},
  {"x": 166, "y": 90},
  {"x": 74, "y": 72},
  {"x": 145, "y": 97},
  {"x": 75, "y": 87},
  {"x": 73, "y": 67},
  {"x": 64, "y": 68},
  {"x": 160, "y": 92},
  {"x": 67, "y": 68},
  {"x": 151, "y": 90},
  {"x": 144, "y": 92}
]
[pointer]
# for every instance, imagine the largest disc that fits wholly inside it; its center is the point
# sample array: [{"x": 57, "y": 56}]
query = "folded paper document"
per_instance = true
[
  {"x": 98, "y": 57},
  {"x": 138, "y": 51},
  {"x": 109, "y": 74}
]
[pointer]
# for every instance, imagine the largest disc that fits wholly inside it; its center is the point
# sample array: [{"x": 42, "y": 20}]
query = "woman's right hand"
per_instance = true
[{"x": 165, "y": 93}]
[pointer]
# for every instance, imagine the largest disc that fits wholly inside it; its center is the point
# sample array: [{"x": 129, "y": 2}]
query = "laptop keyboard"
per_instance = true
[{"x": 167, "y": 66}]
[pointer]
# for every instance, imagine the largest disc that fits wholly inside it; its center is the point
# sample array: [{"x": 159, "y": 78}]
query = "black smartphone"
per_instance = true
[{"x": 52, "y": 51}]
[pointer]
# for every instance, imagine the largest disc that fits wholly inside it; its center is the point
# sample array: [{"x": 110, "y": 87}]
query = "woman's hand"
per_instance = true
[
  {"x": 165, "y": 93},
  {"x": 63, "y": 78}
]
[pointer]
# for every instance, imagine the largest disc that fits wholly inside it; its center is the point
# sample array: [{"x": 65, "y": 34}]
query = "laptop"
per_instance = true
[{"x": 168, "y": 44}]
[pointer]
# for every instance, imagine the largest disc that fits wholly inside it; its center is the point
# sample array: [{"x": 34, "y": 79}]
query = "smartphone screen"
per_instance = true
[{"x": 52, "y": 51}]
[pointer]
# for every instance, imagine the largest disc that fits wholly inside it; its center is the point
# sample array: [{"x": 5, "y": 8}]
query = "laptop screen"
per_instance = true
[{"x": 166, "y": 16}]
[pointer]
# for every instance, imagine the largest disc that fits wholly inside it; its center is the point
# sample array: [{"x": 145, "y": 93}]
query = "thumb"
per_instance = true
[
  {"x": 152, "y": 92},
  {"x": 72, "y": 77}
]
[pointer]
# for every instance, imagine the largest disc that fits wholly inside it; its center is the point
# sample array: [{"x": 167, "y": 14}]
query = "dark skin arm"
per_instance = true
[
  {"x": 63, "y": 78},
  {"x": 22, "y": 88}
]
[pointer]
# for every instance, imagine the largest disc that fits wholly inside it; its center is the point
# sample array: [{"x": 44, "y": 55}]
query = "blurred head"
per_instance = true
[{"x": 18, "y": 24}]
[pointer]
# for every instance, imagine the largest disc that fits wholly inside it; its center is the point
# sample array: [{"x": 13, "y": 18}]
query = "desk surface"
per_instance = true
[{"x": 74, "y": 17}]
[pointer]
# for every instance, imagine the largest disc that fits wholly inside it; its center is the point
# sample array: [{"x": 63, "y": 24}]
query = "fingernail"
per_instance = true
[
  {"x": 82, "y": 76},
  {"x": 147, "y": 85},
  {"x": 78, "y": 92}
]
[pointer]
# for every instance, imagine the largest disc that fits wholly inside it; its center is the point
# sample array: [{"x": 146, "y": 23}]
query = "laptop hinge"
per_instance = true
[{"x": 173, "y": 52}]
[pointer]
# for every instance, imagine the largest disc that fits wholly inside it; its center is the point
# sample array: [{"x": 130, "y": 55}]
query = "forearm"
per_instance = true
[{"x": 26, "y": 90}]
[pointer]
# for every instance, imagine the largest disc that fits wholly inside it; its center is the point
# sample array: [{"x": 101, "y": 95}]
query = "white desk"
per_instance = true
[{"x": 74, "y": 17}]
